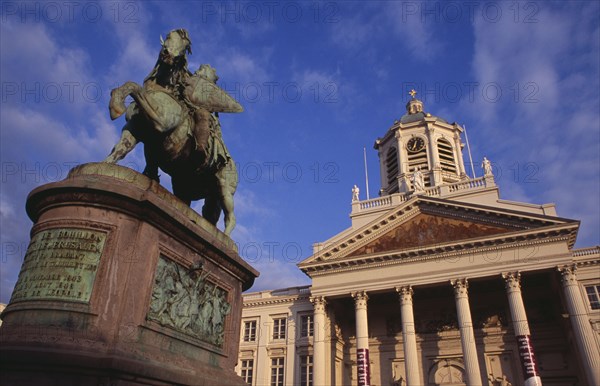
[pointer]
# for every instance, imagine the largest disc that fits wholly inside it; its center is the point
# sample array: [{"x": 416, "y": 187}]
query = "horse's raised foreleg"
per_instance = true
[
  {"x": 123, "y": 147},
  {"x": 116, "y": 106},
  {"x": 117, "y": 103}
]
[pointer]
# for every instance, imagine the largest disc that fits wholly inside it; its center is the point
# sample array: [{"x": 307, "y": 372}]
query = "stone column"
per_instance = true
[
  {"x": 319, "y": 332},
  {"x": 433, "y": 155},
  {"x": 460, "y": 163},
  {"x": 582, "y": 329},
  {"x": 521, "y": 328},
  {"x": 409, "y": 338},
  {"x": 403, "y": 174},
  {"x": 362, "y": 338},
  {"x": 467, "y": 335}
]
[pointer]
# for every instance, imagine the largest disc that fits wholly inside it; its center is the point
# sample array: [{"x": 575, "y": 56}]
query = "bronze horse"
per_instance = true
[{"x": 175, "y": 115}]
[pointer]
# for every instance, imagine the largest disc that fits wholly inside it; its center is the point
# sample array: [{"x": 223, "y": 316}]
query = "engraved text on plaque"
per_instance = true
[{"x": 60, "y": 264}]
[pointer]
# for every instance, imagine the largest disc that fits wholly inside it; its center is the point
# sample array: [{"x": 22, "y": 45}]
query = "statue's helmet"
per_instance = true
[{"x": 176, "y": 45}]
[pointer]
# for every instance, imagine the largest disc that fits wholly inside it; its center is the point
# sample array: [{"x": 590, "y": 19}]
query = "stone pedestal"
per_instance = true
[{"x": 122, "y": 284}]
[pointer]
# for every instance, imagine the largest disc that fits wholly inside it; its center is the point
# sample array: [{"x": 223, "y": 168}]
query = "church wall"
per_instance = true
[{"x": 290, "y": 304}]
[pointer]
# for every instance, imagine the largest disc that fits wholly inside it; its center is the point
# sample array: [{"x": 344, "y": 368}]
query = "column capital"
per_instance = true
[
  {"x": 405, "y": 293},
  {"x": 460, "y": 286},
  {"x": 568, "y": 274},
  {"x": 512, "y": 280},
  {"x": 319, "y": 303},
  {"x": 360, "y": 298}
]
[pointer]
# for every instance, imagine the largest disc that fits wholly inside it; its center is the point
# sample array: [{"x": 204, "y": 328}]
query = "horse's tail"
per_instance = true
[{"x": 117, "y": 98}]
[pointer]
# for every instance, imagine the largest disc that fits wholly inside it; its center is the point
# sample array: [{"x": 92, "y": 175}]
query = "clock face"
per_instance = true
[{"x": 415, "y": 144}]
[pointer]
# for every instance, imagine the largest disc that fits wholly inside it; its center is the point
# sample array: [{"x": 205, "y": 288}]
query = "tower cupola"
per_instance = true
[
  {"x": 423, "y": 145},
  {"x": 414, "y": 106}
]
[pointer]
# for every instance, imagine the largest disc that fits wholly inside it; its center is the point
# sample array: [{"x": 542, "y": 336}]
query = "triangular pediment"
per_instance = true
[
  {"x": 425, "y": 225},
  {"x": 425, "y": 229}
]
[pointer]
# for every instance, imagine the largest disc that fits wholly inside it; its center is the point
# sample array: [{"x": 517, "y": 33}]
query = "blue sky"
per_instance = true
[{"x": 319, "y": 81}]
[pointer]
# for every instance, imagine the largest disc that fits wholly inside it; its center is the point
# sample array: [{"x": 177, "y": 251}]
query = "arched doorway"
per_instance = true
[{"x": 447, "y": 372}]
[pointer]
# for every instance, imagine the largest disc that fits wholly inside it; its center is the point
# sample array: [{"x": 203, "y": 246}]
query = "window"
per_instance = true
[
  {"x": 391, "y": 164},
  {"x": 446, "y": 154},
  {"x": 277, "y": 371},
  {"x": 247, "y": 370},
  {"x": 306, "y": 326},
  {"x": 279, "y": 328},
  {"x": 306, "y": 365},
  {"x": 593, "y": 293},
  {"x": 250, "y": 331}
]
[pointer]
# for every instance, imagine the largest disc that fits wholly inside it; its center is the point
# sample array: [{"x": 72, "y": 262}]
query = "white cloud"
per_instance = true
[
  {"x": 354, "y": 32},
  {"x": 29, "y": 51},
  {"x": 277, "y": 274},
  {"x": 248, "y": 204},
  {"x": 416, "y": 31},
  {"x": 556, "y": 134},
  {"x": 234, "y": 65},
  {"x": 374, "y": 23},
  {"x": 137, "y": 49}
]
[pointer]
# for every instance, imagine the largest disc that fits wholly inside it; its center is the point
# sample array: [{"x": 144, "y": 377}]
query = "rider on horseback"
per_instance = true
[
  {"x": 175, "y": 115},
  {"x": 174, "y": 78},
  {"x": 206, "y": 128}
]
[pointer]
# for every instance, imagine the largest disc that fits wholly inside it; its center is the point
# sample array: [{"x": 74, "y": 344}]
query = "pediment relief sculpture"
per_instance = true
[{"x": 426, "y": 230}]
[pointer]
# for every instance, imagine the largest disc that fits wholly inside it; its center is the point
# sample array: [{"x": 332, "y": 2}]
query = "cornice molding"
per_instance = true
[
  {"x": 271, "y": 301},
  {"x": 587, "y": 263},
  {"x": 435, "y": 207},
  {"x": 436, "y": 252}
]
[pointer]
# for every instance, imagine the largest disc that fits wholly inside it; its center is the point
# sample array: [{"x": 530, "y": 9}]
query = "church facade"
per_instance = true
[{"x": 437, "y": 281}]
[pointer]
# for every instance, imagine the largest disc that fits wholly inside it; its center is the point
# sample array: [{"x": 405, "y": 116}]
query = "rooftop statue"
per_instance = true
[{"x": 175, "y": 114}]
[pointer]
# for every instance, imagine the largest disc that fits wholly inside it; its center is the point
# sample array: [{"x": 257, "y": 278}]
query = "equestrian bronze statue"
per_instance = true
[{"x": 175, "y": 114}]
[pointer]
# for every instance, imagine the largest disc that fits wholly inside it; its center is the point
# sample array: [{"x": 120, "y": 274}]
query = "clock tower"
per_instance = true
[{"x": 420, "y": 142}]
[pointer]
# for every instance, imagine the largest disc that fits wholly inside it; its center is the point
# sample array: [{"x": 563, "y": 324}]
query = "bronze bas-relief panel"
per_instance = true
[
  {"x": 426, "y": 230},
  {"x": 185, "y": 301},
  {"x": 60, "y": 264}
]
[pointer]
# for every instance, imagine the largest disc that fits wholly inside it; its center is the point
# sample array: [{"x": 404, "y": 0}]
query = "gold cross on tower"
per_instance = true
[{"x": 412, "y": 93}]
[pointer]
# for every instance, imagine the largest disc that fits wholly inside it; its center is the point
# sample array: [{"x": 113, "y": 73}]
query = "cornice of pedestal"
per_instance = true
[{"x": 119, "y": 189}]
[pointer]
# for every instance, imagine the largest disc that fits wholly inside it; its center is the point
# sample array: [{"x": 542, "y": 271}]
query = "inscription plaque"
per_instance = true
[{"x": 60, "y": 264}]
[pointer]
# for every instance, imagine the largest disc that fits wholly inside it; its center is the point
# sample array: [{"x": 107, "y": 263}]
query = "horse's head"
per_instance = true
[{"x": 175, "y": 47}]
